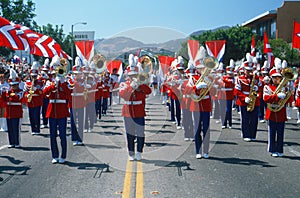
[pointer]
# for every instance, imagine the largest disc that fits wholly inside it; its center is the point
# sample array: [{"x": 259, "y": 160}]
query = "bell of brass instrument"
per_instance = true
[
  {"x": 61, "y": 69},
  {"x": 147, "y": 66},
  {"x": 252, "y": 95},
  {"x": 99, "y": 62},
  {"x": 288, "y": 74},
  {"x": 209, "y": 63}
]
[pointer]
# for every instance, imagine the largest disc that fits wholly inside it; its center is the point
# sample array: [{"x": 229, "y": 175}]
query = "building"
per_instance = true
[{"x": 277, "y": 23}]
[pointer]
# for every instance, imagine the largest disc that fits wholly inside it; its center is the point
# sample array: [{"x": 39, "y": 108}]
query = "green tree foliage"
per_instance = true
[
  {"x": 282, "y": 50},
  {"x": 18, "y": 12}
]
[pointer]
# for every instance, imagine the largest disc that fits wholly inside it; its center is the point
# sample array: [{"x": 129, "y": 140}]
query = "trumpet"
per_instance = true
[{"x": 209, "y": 63}]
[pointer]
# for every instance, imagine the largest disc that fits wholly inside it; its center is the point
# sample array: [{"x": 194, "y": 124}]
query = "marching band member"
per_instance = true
[
  {"x": 264, "y": 79},
  {"x": 175, "y": 83},
  {"x": 226, "y": 96},
  {"x": 45, "y": 78},
  {"x": 115, "y": 84},
  {"x": 90, "y": 102},
  {"x": 133, "y": 110},
  {"x": 57, "y": 111},
  {"x": 34, "y": 99},
  {"x": 200, "y": 111},
  {"x": 76, "y": 105},
  {"x": 187, "y": 120},
  {"x": 105, "y": 93},
  {"x": 248, "y": 99},
  {"x": 290, "y": 86},
  {"x": 98, "y": 97},
  {"x": 3, "y": 86},
  {"x": 13, "y": 111},
  {"x": 276, "y": 120}
]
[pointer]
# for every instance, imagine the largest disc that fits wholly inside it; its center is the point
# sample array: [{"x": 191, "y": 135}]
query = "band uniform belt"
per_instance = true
[
  {"x": 14, "y": 103},
  {"x": 226, "y": 89},
  {"x": 133, "y": 102},
  {"x": 57, "y": 101},
  {"x": 186, "y": 96}
]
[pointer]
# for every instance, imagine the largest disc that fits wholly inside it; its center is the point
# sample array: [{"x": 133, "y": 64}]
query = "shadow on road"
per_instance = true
[{"x": 244, "y": 162}]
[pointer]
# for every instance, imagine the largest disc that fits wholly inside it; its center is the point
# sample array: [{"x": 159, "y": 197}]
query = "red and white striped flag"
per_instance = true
[
  {"x": 268, "y": 51},
  {"x": 85, "y": 50},
  {"x": 164, "y": 65},
  {"x": 216, "y": 48},
  {"x": 253, "y": 46},
  {"x": 115, "y": 64},
  {"x": 193, "y": 51},
  {"x": 9, "y": 36},
  {"x": 296, "y": 35}
]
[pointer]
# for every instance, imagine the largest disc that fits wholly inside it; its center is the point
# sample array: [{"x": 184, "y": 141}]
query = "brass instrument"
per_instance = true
[
  {"x": 99, "y": 62},
  {"x": 252, "y": 95},
  {"x": 288, "y": 74},
  {"x": 147, "y": 67},
  {"x": 209, "y": 63},
  {"x": 61, "y": 69},
  {"x": 30, "y": 92}
]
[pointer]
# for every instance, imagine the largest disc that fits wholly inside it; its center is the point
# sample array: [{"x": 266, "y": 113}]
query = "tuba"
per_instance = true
[
  {"x": 147, "y": 67},
  {"x": 99, "y": 62},
  {"x": 288, "y": 74},
  {"x": 210, "y": 63},
  {"x": 61, "y": 69}
]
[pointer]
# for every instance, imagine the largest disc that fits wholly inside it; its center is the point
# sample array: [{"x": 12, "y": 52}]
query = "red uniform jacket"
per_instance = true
[
  {"x": 226, "y": 88},
  {"x": 99, "y": 91},
  {"x": 13, "y": 100},
  {"x": 203, "y": 105},
  {"x": 134, "y": 105},
  {"x": 269, "y": 97},
  {"x": 186, "y": 98},
  {"x": 91, "y": 93},
  {"x": 58, "y": 96},
  {"x": 77, "y": 96},
  {"x": 242, "y": 90},
  {"x": 105, "y": 89},
  {"x": 37, "y": 96}
]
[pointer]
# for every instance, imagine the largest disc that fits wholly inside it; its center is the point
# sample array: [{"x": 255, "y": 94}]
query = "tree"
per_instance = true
[
  {"x": 238, "y": 42},
  {"x": 18, "y": 12},
  {"x": 282, "y": 50}
]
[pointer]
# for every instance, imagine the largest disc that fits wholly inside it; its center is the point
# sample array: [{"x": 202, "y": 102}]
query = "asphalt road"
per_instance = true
[{"x": 168, "y": 169}]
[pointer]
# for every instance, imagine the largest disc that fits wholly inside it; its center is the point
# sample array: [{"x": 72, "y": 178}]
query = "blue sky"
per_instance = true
[{"x": 176, "y": 18}]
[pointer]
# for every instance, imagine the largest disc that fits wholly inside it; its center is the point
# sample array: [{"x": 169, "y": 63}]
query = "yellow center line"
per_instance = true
[
  {"x": 127, "y": 180},
  {"x": 139, "y": 192}
]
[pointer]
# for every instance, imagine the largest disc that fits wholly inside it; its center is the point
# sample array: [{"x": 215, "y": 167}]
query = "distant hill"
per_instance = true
[
  {"x": 197, "y": 33},
  {"x": 115, "y": 46}
]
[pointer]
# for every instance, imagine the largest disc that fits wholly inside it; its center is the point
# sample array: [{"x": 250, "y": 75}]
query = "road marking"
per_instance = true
[
  {"x": 127, "y": 180},
  {"x": 294, "y": 152},
  {"x": 3, "y": 147},
  {"x": 139, "y": 192}
]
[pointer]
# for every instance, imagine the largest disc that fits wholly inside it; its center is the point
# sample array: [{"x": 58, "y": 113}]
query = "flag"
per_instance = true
[
  {"x": 38, "y": 44},
  {"x": 85, "y": 50},
  {"x": 115, "y": 64},
  {"x": 63, "y": 54},
  {"x": 164, "y": 64},
  {"x": 8, "y": 36},
  {"x": 216, "y": 48},
  {"x": 296, "y": 36},
  {"x": 268, "y": 51},
  {"x": 193, "y": 51},
  {"x": 267, "y": 46},
  {"x": 253, "y": 46}
]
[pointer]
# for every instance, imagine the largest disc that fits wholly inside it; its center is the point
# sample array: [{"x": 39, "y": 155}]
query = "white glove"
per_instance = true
[
  {"x": 247, "y": 100},
  {"x": 255, "y": 88},
  {"x": 88, "y": 86},
  {"x": 281, "y": 95},
  {"x": 201, "y": 85},
  {"x": 134, "y": 84},
  {"x": 266, "y": 79}
]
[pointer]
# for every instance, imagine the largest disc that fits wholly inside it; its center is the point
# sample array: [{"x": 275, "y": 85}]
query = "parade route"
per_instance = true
[{"x": 169, "y": 168}]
